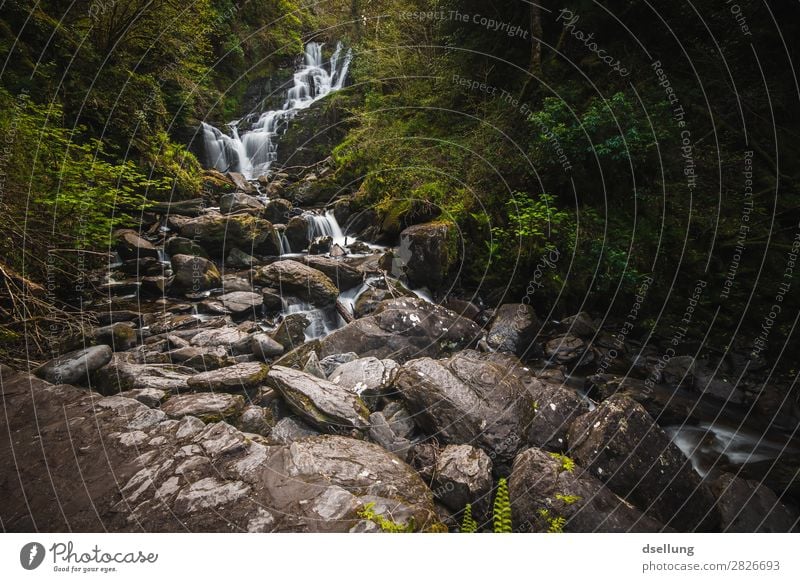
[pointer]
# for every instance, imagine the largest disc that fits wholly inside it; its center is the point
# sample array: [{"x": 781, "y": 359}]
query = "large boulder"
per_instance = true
[
  {"x": 468, "y": 399},
  {"x": 178, "y": 245},
  {"x": 75, "y": 367},
  {"x": 299, "y": 280},
  {"x": 750, "y": 507},
  {"x": 555, "y": 408},
  {"x": 218, "y": 234},
  {"x": 194, "y": 274},
  {"x": 321, "y": 403},
  {"x": 429, "y": 252},
  {"x": 403, "y": 329},
  {"x": 131, "y": 246},
  {"x": 297, "y": 233},
  {"x": 620, "y": 444},
  {"x": 343, "y": 275},
  {"x": 549, "y": 492},
  {"x": 513, "y": 329},
  {"x": 278, "y": 211},
  {"x": 241, "y": 303}
]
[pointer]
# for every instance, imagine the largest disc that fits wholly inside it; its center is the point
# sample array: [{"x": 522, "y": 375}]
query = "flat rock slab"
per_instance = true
[
  {"x": 237, "y": 377},
  {"x": 206, "y": 407},
  {"x": 240, "y": 302}
]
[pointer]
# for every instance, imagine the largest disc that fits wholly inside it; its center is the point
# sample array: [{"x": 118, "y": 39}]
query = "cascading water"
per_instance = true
[
  {"x": 325, "y": 225},
  {"x": 252, "y": 152}
]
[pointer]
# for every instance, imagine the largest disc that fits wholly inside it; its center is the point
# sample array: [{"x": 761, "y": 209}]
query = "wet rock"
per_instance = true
[
  {"x": 255, "y": 420},
  {"x": 239, "y": 258},
  {"x": 206, "y": 407},
  {"x": 620, "y": 444},
  {"x": 330, "y": 363},
  {"x": 296, "y": 279},
  {"x": 312, "y": 366},
  {"x": 239, "y": 202},
  {"x": 124, "y": 373},
  {"x": 320, "y": 245},
  {"x": 545, "y": 489},
  {"x": 297, "y": 233},
  {"x": 555, "y": 408},
  {"x": 75, "y": 367},
  {"x": 218, "y": 234},
  {"x": 402, "y": 329},
  {"x": 194, "y": 274},
  {"x": 201, "y": 359},
  {"x": 278, "y": 211},
  {"x": 264, "y": 347},
  {"x": 750, "y": 507},
  {"x": 399, "y": 420},
  {"x": 272, "y": 299},
  {"x": 580, "y": 325},
  {"x": 227, "y": 337},
  {"x": 319, "y": 402},
  {"x": 178, "y": 245},
  {"x": 153, "y": 286},
  {"x": 377, "y": 292},
  {"x": 231, "y": 378},
  {"x": 120, "y": 336},
  {"x": 513, "y": 329},
  {"x": 241, "y": 303},
  {"x": 467, "y": 399},
  {"x": 567, "y": 349},
  {"x": 240, "y": 182},
  {"x": 380, "y": 432},
  {"x": 292, "y": 330},
  {"x": 131, "y": 246},
  {"x": 142, "y": 267},
  {"x": 340, "y": 273},
  {"x": 369, "y": 377},
  {"x": 287, "y": 430},
  {"x": 464, "y": 308},
  {"x": 429, "y": 252},
  {"x": 463, "y": 475},
  {"x": 150, "y": 397},
  {"x": 327, "y": 480}
]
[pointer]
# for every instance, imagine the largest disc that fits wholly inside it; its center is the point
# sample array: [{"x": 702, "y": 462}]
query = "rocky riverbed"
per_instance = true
[{"x": 255, "y": 366}]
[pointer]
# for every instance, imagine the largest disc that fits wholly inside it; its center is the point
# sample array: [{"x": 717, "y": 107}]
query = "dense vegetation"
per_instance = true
[{"x": 540, "y": 151}]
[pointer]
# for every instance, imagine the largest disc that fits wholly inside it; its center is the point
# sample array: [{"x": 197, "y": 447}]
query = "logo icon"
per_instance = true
[{"x": 31, "y": 555}]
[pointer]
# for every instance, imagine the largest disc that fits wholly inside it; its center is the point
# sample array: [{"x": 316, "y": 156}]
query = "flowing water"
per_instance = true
[{"x": 251, "y": 151}]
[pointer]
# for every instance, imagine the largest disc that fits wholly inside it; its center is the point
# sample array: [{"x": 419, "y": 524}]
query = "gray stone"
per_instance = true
[
  {"x": 287, "y": 430},
  {"x": 369, "y": 377},
  {"x": 513, "y": 329},
  {"x": 237, "y": 377},
  {"x": 243, "y": 303},
  {"x": 429, "y": 252},
  {"x": 463, "y": 475},
  {"x": 75, "y": 367},
  {"x": 194, "y": 274},
  {"x": 296, "y": 279},
  {"x": 255, "y": 420},
  {"x": 264, "y": 347},
  {"x": 130, "y": 245},
  {"x": 330, "y": 363},
  {"x": 544, "y": 489},
  {"x": 207, "y": 407},
  {"x": 319, "y": 402},
  {"x": 620, "y": 444},
  {"x": 239, "y": 202}
]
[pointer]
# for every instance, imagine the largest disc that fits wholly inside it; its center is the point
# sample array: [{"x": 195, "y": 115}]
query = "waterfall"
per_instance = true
[
  {"x": 324, "y": 225},
  {"x": 252, "y": 151}
]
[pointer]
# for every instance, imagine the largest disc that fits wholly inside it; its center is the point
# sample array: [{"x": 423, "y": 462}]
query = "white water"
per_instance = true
[
  {"x": 325, "y": 225},
  {"x": 252, "y": 151}
]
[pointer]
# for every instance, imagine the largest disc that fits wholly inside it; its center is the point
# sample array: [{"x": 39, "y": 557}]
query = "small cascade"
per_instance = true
[
  {"x": 251, "y": 151},
  {"x": 286, "y": 248},
  {"x": 321, "y": 321},
  {"x": 325, "y": 225}
]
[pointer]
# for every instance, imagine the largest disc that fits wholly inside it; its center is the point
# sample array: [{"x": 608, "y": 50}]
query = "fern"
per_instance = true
[
  {"x": 387, "y": 525},
  {"x": 468, "y": 524},
  {"x": 567, "y": 464},
  {"x": 502, "y": 508},
  {"x": 568, "y": 499}
]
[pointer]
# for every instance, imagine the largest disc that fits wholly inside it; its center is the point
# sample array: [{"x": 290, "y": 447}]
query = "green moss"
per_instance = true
[{"x": 387, "y": 525}]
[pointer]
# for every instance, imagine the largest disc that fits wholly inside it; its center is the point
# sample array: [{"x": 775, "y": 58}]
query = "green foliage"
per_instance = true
[
  {"x": 468, "y": 523},
  {"x": 387, "y": 525},
  {"x": 501, "y": 513},
  {"x": 567, "y": 464},
  {"x": 553, "y": 523},
  {"x": 568, "y": 499}
]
